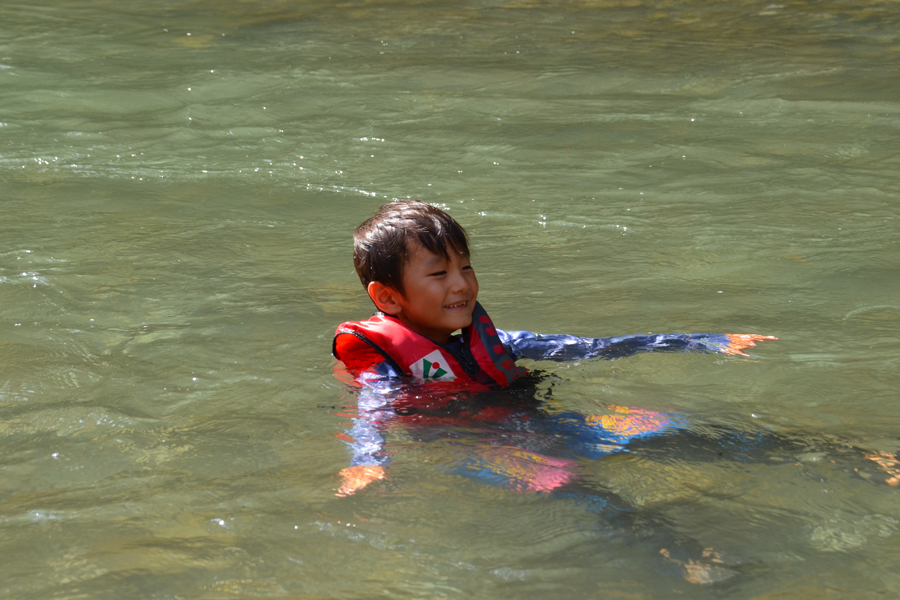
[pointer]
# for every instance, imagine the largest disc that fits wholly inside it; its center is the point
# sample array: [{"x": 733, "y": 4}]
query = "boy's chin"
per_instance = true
[
  {"x": 465, "y": 321},
  {"x": 458, "y": 320},
  {"x": 459, "y": 324}
]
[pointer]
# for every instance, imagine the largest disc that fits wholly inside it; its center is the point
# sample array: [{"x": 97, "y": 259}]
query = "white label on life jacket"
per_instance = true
[{"x": 432, "y": 367}]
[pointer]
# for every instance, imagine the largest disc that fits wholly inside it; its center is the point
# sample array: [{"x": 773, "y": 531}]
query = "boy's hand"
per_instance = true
[
  {"x": 739, "y": 341},
  {"x": 889, "y": 463},
  {"x": 358, "y": 477}
]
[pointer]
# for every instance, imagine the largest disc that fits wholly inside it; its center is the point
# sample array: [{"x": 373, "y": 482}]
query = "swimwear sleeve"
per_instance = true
[
  {"x": 561, "y": 347},
  {"x": 365, "y": 437}
]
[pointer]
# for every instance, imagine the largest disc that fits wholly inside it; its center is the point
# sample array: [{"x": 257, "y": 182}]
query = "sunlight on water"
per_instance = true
[{"x": 181, "y": 180}]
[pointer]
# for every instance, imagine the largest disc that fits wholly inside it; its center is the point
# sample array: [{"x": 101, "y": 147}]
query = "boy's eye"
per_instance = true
[{"x": 438, "y": 273}]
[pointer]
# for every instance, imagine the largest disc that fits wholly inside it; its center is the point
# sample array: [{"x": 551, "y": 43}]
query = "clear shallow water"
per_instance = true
[{"x": 177, "y": 214}]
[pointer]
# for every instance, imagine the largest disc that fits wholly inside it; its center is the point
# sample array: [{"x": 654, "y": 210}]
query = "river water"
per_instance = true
[{"x": 180, "y": 182}]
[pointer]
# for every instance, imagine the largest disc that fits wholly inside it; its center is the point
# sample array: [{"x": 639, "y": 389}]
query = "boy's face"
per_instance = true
[{"x": 438, "y": 294}]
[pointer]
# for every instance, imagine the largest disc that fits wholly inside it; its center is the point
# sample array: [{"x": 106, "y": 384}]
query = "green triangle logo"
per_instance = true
[{"x": 438, "y": 371}]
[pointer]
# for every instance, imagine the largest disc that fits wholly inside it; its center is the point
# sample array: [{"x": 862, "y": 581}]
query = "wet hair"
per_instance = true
[{"x": 382, "y": 243}]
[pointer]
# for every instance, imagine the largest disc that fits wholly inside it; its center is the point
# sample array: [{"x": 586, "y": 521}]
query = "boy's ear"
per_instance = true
[{"x": 385, "y": 297}]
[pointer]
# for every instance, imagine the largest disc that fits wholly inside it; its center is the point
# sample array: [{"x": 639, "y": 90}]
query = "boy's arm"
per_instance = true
[
  {"x": 365, "y": 437},
  {"x": 561, "y": 347}
]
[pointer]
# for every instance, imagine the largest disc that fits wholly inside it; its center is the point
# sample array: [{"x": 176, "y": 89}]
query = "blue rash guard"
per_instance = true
[
  {"x": 522, "y": 463},
  {"x": 564, "y": 348},
  {"x": 561, "y": 347}
]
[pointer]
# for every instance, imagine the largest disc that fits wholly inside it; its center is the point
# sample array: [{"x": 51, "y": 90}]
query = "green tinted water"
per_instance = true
[{"x": 180, "y": 182}]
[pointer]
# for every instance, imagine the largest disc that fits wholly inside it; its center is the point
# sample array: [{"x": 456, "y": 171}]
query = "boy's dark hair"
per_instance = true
[{"x": 381, "y": 242}]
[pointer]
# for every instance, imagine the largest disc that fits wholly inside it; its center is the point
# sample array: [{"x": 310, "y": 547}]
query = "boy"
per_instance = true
[{"x": 413, "y": 259}]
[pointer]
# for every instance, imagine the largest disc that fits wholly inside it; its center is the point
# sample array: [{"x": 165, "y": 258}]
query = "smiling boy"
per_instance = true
[{"x": 414, "y": 261}]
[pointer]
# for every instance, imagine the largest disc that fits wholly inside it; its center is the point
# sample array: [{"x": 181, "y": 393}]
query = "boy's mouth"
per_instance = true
[{"x": 458, "y": 305}]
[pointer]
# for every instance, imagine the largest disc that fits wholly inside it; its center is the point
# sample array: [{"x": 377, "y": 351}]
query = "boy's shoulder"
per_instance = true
[{"x": 356, "y": 354}]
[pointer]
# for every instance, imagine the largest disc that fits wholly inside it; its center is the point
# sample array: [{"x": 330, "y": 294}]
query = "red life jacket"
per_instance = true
[{"x": 361, "y": 345}]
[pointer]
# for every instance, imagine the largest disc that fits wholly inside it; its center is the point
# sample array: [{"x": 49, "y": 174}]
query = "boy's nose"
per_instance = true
[{"x": 460, "y": 283}]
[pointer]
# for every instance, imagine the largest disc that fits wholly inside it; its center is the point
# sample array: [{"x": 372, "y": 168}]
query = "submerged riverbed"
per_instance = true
[{"x": 180, "y": 183}]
